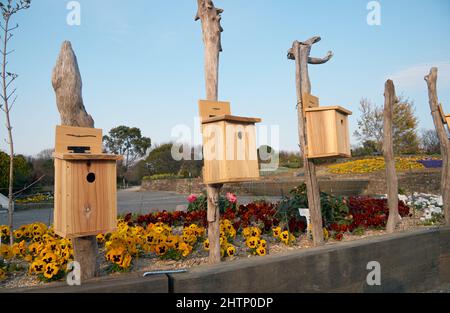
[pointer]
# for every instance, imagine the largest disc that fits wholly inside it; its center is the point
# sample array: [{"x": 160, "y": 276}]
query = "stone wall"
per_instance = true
[
  {"x": 426, "y": 181},
  {"x": 182, "y": 186}
]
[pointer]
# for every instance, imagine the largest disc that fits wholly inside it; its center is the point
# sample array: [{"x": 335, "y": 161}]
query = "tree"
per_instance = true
[
  {"x": 43, "y": 166},
  {"x": 129, "y": 142},
  {"x": 430, "y": 142},
  {"x": 370, "y": 126},
  {"x": 22, "y": 172},
  {"x": 8, "y": 94},
  {"x": 368, "y": 148},
  {"x": 406, "y": 140}
]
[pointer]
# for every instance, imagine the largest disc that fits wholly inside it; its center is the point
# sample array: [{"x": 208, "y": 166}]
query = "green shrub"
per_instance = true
[{"x": 161, "y": 176}]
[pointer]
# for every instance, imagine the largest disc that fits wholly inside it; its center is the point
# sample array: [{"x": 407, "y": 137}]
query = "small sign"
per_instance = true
[{"x": 305, "y": 213}]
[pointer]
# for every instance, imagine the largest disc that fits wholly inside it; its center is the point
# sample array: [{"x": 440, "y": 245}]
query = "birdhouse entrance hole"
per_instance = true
[{"x": 90, "y": 178}]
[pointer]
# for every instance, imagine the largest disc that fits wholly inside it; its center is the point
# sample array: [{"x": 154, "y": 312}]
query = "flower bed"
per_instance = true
[
  {"x": 429, "y": 206},
  {"x": 371, "y": 165},
  {"x": 168, "y": 239},
  {"x": 37, "y": 198}
]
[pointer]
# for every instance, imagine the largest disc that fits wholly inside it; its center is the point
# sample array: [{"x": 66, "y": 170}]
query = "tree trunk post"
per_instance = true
[
  {"x": 444, "y": 140},
  {"x": 300, "y": 52},
  {"x": 210, "y": 18},
  {"x": 66, "y": 81},
  {"x": 388, "y": 152}
]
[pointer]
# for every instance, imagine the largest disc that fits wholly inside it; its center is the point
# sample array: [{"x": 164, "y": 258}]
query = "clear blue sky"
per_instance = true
[{"x": 142, "y": 61}]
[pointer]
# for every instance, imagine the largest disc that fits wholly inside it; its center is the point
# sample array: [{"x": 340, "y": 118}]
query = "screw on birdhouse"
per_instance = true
[{"x": 88, "y": 212}]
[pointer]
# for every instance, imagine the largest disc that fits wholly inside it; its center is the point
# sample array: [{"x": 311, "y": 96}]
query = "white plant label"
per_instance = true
[{"x": 305, "y": 213}]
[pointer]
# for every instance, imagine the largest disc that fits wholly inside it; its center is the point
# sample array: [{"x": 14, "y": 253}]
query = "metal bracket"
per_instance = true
[{"x": 164, "y": 272}]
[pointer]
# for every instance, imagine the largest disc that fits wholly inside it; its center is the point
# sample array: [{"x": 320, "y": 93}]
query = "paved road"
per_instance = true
[{"x": 127, "y": 201}]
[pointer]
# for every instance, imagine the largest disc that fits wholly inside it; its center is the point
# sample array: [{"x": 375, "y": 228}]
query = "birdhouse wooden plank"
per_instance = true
[
  {"x": 447, "y": 118},
  {"x": 210, "y": 109},
  {"x": 327, "y": 132},
  {"x": 309, "y": 101},
  {"x": 85, "y": 184},
  {"x": 69, "y": 137},
  {"x": 229, "y": 145}
]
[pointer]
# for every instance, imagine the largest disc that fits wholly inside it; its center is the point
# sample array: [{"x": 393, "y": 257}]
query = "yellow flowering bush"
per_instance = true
[
  {"x": 371, "y": 165},
  {"x": 35, "y": 199},
  {"x": 4, "y": 233},
  {"x": 160, "y": 239},
  {"x": 254, "y": 242},
  {"x": 46, "y": 255},
  {"x": 2, "y": 274},
  {"x": 284, "y": 236},
  {"x": 37, "y": 244},
  {"x": 227, "y": 236}
]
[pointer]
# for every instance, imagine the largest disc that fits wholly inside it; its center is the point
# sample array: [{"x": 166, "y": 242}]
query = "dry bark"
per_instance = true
[
  {"x": 444, "y": 140},
  {"x": 300, "y": 52},
  {"x": 388, "y": 152},
  {"x": 66, "y": 80},
  {"x": 210, "y": 18}
]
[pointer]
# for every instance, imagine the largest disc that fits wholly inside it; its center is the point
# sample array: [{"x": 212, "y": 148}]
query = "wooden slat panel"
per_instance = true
[
  {"x": 58, "y": 212},
  {"x": 321, "y": 133},
  {"x": 342, "y": 134},
  {"x": 79, "y": 137},
  {"x": 235, "y": 159},
  {"x": 210, "y": 109},
  {"x": 231, "y": 119},
  {"x": 336, "y": 108},
  {"x": 327, "y": 133},
  {"x": 309, "y": 101},
  {"x": 87, "y": 156},
  {"x": 441, "y": 112},
  {"x": 74, "y": 194}
]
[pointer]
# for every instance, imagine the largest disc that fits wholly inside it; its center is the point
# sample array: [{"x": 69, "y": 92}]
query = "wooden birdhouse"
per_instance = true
[
  {"x": 85, "y": 183},
  {"x": 327, "y": 131},
  {"x": 229, "y": 144}
]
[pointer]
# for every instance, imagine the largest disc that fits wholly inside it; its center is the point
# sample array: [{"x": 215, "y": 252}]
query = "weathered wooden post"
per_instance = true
[
  {"x": 210, "y": 17},
  {"x": 431, "y": 80},
  {"x": 388, "y": 152},
  {"x": 66, "y": 81},
  {"x": 300, "y": 52}
]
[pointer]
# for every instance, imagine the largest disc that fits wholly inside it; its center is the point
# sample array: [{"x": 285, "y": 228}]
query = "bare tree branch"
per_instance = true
[
  {"x": 29, "y": 186},
  {"x": 321, "y": 60}
]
